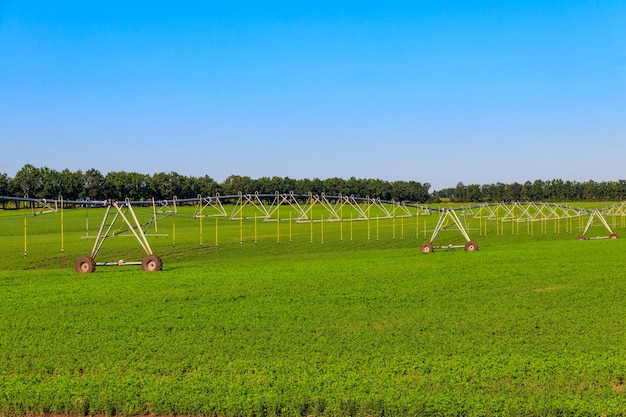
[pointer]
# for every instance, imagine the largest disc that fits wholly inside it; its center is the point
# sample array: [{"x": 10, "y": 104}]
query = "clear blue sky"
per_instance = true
[{"x": 432, "y": 91}]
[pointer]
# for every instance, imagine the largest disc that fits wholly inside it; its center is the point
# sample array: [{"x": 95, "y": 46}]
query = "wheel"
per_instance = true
[
  {"x": 471, "y": 246},
  {"x": 85, "y": 265},
  {"x": 151, "y": 263},
  {"x": 580, "y": 238},
  {"x": 426, "y": 247},
  {"x": 613, "y": 236}
]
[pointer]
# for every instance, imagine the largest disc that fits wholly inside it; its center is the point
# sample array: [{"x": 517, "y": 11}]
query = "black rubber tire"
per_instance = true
[
  {"x": 151, "y": 263},
  {"x": 613, "y": 236},
  {"x": 85, "y": 265},
  {"x": 471, "y": 246},
  {"x": 426, "y": 247}
]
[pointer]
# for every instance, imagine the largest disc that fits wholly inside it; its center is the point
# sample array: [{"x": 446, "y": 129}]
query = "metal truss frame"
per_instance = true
[
  {"x": 444, "y": 216},
  {"x": 303, "y": 205},
  {"x": 524, "y": 212},
  {"x": 46, "y": 206},
  {"x": 597, "y": 214},
  {"x": 115, "y": 211},
  {"x": 205, "y": 203}
]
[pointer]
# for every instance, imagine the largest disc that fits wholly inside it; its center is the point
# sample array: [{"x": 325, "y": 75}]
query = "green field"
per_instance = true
[{"x": 253, "y": 318}]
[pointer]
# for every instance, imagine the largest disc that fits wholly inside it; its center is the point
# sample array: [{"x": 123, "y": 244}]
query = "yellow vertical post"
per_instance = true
[
  {"x": 393, "y": 227},
  {"x": 368, "y": 218},
  {"x": 322, "y": 232},
  {"x": 62, "y": 229},
  {"x": 580, "y": 223},
  {"x": 25, "y": 239},
  {"x": 290, "y": 233},
  {"x": 255, "y": 233},
  {"x": 278, "y": 224},
  {"x": 417, "y": 222},
  {"x": 216, "y": 234},
  {"x": 154, "y": 216},
  {"x": 341, "y": 223},
  {"x": 86, "y": 222},
  {"x": 201, "y": 230},
  {"x": 351, "y": 227},
  {"x": 497, "y": 220},
  {"x": 402, "y": 228}
]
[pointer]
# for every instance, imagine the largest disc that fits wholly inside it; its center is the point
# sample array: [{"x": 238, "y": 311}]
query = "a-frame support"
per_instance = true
[
  {"x": 590, "y": 222},
  {"x": 150, "y": 262},
  {"x": 446, "y": 214},
  {"x": 205, "y": 203}
]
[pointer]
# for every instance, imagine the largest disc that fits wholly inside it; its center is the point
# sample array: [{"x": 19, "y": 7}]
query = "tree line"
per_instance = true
[
  {"x": 48, "y": 183},
  {"x": 44, "y": 182},
  {"x": 538, "y": 190}
]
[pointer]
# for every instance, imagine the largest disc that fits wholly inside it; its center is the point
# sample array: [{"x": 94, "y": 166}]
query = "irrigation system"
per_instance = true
[{"x": 267, "y": 207}]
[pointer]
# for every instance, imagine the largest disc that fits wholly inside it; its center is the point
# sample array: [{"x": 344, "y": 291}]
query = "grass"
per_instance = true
[{"x": 528, "y": 325}]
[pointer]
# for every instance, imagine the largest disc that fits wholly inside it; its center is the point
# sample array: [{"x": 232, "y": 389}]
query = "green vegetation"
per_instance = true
[
  {"x": 49, "y": 183},
  {"x": 312, "y": 319}
]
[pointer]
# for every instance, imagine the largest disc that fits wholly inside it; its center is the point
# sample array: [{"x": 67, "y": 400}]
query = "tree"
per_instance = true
[
  {"x": 423, "y": 192},
  {"x": 493, "y": 192},
  {"x": 93, "y": 182},
  {"x": 334, "y": 186},
  {"x": 4, "y": 186},
  {"x": 121, "y": 185},
  {"x": 535, "y": 190},
  {"x": 622, "y": 189},
  {"x": 28, "y": 181},
  {"x": 460, "y": 193},
  {"x": 473, "y": 193},
  {"x": 513, "y": 192},
  {"x": 205, "y": 186},
  {"x": 70, "y": 184},
  {"x": 590, "y": 190},
  {"x": 235, "y": 184}
]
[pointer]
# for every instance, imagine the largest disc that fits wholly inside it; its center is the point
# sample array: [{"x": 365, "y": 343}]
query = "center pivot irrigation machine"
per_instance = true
[
  {"x": 310, "y": 208},
  {"x": 125, "y": 212}
]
